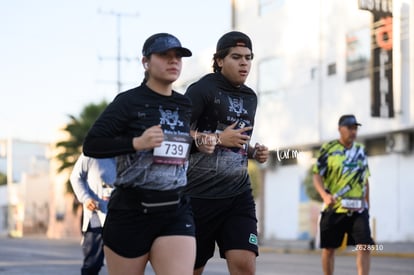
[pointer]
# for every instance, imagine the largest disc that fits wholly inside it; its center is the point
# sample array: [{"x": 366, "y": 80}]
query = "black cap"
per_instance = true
[
  {"x": 162, "y": 42},
  {"x": 234, "y": 39},
  {"x": 348, "y": 120}
]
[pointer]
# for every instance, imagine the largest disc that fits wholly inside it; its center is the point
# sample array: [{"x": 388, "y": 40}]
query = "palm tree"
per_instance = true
[{"x": 77, "y": 128}]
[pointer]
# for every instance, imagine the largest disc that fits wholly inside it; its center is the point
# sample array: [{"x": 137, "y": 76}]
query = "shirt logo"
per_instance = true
[
  {"x": 236, "y": 105},
  {"x": 170, "y": 118}
]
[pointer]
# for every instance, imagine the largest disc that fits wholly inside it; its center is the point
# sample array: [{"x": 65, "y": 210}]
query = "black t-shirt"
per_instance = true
[
  {"x": 216, "y": 105},
  {"x": 128, "y": 116}
]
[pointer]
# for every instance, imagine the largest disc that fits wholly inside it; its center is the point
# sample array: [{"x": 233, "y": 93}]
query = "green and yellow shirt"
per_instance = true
[{"x": 339, "y": 167}]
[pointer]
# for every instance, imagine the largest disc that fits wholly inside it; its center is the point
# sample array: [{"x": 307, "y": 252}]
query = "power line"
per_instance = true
[{"x": 119, "y": 58}]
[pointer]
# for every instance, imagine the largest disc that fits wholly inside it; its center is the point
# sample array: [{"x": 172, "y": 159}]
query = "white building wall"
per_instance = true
[
  {"x": 392, "y": 189},
  {"x": 306, "y": 36},
  {"x": 303, "y": 108},
  {"x": 281, "y": 203}
]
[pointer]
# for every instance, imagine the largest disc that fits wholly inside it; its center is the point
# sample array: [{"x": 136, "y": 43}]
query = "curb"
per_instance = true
[{"x": 266, "y": 249}]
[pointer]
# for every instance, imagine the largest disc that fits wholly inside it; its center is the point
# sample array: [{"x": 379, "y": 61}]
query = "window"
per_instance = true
[
  {"x": 358, "y": 54},
  {"x": 332, "y": 69}
]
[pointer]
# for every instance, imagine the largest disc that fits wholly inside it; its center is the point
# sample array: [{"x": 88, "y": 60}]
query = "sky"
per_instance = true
[{"x": 57, "y": 56}]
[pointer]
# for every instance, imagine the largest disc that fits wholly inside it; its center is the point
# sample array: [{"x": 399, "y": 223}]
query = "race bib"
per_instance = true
[
  {"x": 351, "y": 203},
  {"x": 173, "y": 150}
]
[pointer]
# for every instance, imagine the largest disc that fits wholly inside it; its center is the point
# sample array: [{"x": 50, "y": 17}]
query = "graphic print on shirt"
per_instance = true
[
  {"x": 354, "y": 160},
  {"x": 170, "y": 118},
  {"x": 235, "y": 112},
  {"x": 175, "y": 147},
  {"x": 341, "y": 167},
  {"x": 236, "y": 106}
]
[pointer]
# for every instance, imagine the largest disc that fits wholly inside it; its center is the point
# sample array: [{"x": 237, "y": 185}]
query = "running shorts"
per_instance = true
[
  {"x": 229, "y": 222},
  {"x": 130, "y": 232},
  {"x": 333, "y": 227}
]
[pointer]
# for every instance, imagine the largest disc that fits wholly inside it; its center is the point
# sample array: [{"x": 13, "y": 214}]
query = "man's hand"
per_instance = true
[
  {"x": 328, "y": 199},
  {"x": 206, "y": 143},
  {"x": 232, "y": 137},
  {"x": 260, "y": 153},
  {"x": 91, "y": 204}
]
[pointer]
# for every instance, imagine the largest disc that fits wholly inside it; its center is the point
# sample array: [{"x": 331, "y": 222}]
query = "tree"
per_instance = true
[
  {"x": 309, "y": 188},
  {"x": 77, "y": 128},
  {"x": 255, "y": 177},
  {"x": 3, "y": 179}
]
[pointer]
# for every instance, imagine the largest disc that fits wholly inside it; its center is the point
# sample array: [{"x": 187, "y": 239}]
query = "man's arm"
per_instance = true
[
  {"x": 78, "y": 180},
  {"x": 327, "y": 198}
]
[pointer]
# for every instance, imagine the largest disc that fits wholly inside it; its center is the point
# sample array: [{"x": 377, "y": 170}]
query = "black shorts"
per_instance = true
[
  {"x": 130, "y": 233},
  {"x": 230, "y": 222},
  {"x": 333, "y": 227}
]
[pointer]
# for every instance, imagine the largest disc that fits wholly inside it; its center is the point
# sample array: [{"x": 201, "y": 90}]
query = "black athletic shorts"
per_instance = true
[
  {"x": 230, "y": 222},
  {"x": 130, "y": 233},
  {"x": 333, "y": 227}
]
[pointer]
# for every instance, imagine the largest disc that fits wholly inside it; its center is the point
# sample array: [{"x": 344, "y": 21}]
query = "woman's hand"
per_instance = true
[{"x": 150, "y": 138}]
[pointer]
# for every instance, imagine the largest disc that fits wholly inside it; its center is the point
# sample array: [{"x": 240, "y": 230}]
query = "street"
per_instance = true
[{"x": 41, "y": 256}]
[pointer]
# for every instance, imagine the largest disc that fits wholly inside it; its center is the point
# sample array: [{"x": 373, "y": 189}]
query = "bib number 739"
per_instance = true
[{"x": 173, "y": 150}]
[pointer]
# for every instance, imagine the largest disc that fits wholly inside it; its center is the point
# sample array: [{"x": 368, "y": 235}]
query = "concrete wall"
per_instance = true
[{"x": 392, "y": 204}]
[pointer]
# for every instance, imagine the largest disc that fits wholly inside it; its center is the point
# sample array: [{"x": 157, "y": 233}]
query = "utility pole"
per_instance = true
[
  {"x": 119, "y": 58},
  {"x": 233, "y": 12}
]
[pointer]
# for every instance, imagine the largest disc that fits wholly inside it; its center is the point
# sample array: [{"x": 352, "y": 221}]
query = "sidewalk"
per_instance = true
[{"x": 381, "y": 249}]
